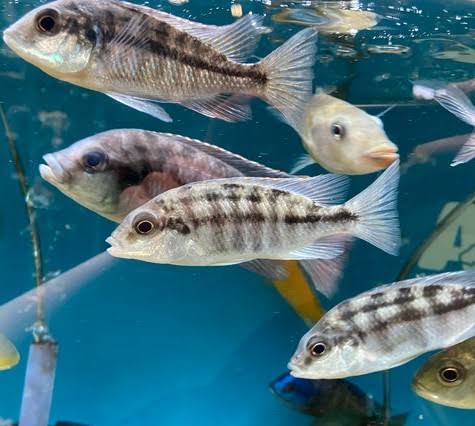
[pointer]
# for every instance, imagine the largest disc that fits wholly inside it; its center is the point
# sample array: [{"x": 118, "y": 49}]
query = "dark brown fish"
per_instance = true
[{"x": 139, "y": 56}]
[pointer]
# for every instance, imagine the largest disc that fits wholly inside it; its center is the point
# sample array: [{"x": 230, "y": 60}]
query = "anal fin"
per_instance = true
[
  {"x": 230, "y": 108},
  {"x": 325, "y": 273},
  {"x": 271, "y": 269}
]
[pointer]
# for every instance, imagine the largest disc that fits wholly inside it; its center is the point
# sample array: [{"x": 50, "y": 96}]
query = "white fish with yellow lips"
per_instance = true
[
  {"x": 343, "y": 138},
  {"x": 230, "y": 221},
  {"x": 388, "y": 326}
]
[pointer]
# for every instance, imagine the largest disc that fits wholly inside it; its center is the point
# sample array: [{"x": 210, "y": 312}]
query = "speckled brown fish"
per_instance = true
[
  {"x": 230, "y": 221},
  {"x": 138, "y": 56},
  {"x": 115, "y": 172}
]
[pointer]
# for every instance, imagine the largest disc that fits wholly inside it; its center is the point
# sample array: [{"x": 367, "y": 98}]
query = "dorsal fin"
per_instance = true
[
  {"x": 325, "y": 190},
  {"x": 243, "y": 165},
  {"x": 237, "y": 40}
]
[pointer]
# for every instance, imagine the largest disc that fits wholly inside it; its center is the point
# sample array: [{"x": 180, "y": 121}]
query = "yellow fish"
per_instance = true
[
  {"x": 297, "y": 292},
  {"x": 9, "y": 356}
]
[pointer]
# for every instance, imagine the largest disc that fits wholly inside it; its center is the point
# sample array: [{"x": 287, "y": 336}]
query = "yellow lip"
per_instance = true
[{"x": 383, "y": 154}]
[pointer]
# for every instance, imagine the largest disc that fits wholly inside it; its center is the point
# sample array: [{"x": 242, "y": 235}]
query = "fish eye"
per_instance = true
[
  {"x": 318, "y": 349},
  {"x": 47, "y": 22},
  {"x": 144, "y": 226},
  {"x": 338, "y": 131},
  {"x": 92, "y": 161},
  {"x": 449, "y": 374}
]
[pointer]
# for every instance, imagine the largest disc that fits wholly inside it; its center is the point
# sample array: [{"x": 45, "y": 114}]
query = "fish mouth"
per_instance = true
[
  {"x": 53, "y": 172},
  {"x": 296, "y": 371},
  {"x": 425, "y": 392},
  {"x": 7, "y": 36},
  {"x": 114, "y": 249},
  {"x": 421, "y": 388},
  {"x": 383, "y": 154},
  {"x": 12, "y": 41}
]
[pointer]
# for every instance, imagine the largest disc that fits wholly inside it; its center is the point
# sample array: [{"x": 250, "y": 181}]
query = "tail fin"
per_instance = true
[
  {"x": 290, "y": 73},
  {"x": 376, "y": 207},
  {"x": 466, "y": 153}
]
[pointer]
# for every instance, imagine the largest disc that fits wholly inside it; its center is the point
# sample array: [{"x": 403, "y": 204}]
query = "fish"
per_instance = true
[
  {"x": 455, "y": 101},
  {"x": 140, "y": 56},
  {"x": 467, "y": 86},
  {"x": 329, "y": 19},
  {"x": 332, "y": 402},
  {"x": 234, "y": 220},
  {"x": 429, "y": 151},
  {"x": 448, "y": 377},
  {"x": 113, "y": 173},
  {"x": 9, "y": 356},
  {"x": 388, "y": 326},
  {"x": 343, "y": 138}
]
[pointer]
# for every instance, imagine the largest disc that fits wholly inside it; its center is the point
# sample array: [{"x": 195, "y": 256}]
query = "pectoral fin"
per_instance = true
[{"x": 147, "y": 106}]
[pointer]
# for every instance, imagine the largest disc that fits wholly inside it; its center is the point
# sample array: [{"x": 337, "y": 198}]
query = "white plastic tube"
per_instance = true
[{"x": 39, "y": 384}]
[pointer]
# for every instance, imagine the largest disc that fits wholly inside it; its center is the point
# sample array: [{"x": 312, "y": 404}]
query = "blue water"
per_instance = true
[{"x": 149, "y": 344}]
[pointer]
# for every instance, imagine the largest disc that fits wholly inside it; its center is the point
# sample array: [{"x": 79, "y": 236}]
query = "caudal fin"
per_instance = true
[
  {"x": 376, "y": 208},
  {"x": 466, "y": 153},
  {"x": 290, "y": 74}
]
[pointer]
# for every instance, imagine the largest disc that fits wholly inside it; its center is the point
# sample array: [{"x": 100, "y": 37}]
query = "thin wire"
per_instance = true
[
  {"x": 35, "y": 238},
  {"x": 386, "y": 397}
]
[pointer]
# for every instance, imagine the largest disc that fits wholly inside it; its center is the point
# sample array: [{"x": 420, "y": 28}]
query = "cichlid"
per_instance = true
[
  {"x": 230, "y": 221},
  {"x": 388, "y": 326},
  {"x": 9, "y": 356},
  {"x": 343, "y": 138},
  {"x": 429, "y": 151},
  {"x": 448, "y": 377},
  {"x": 455, "y": 101},
  {"x": 331, "y": 18},
  {"x": 332, "y": 402},
  {"x": 113, "y": 173},
  {"x": 140, "y": 56}
]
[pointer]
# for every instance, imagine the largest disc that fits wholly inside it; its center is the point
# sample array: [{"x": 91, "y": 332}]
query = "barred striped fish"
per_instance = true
[
  {"x": 454, "y": 100},
  {"x": 114, "y": 172},
  {"x": 388, "y": 326},
  {"x": 140, "y": 56},
  {"x": 229, "y": 221}
]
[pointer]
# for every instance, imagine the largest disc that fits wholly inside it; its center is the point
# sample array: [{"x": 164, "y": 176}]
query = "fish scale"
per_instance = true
[{"x": 389, "y": 325}]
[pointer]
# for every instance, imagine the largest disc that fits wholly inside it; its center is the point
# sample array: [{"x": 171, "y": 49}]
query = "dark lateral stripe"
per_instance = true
[
  {"x": 223, "y": 219},
  {"x": 340, "y": 216},
  {"x": 227, "y": 69},
  {"x": 405, "y": 295},
  {"x": 465, "y": 299},
  {"x": 168, "y": 43}
]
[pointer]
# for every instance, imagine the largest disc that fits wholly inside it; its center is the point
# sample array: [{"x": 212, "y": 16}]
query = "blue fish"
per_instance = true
[{"x": 333, "y": 402}]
